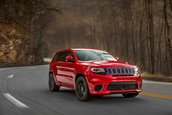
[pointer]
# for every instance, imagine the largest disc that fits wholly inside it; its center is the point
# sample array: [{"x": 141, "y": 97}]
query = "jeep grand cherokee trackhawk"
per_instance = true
[{"x": 93, "y": 72}]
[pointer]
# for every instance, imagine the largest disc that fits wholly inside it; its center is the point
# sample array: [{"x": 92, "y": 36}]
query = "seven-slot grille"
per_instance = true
[
  {"x": 120, "y": 71},
  {"x": 122, "y": 85}
]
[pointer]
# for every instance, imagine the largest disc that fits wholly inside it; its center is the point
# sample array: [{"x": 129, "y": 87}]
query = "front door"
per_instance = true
[{"x": 65, "y": 70}]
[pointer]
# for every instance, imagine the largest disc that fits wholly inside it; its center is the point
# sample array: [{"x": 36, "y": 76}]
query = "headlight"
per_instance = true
[
  {"x": 98, "y": 70},
  {"x": 136, "y": 70}
]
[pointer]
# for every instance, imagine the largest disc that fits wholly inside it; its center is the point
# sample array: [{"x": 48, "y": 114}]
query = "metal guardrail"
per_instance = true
[{"x": 47, "y": 60}]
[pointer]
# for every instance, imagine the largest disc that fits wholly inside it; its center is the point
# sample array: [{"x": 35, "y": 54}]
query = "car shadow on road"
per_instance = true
[
  {"x": 67, "y": 91},
  {"x": 114, "y": 98},
  {"x": 69, "y": 95}
]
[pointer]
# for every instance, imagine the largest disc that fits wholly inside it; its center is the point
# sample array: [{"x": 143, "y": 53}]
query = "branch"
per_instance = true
[
  {"x": 170, "y": 4},
  {"x": 42, "y": 11}
]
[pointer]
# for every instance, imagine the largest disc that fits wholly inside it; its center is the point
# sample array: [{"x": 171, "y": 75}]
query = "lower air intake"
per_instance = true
[{"x": 122, "y": 85}]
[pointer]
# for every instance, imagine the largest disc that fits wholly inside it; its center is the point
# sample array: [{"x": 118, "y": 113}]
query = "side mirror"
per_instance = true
[
  {"x": 117, "y": 58},
  {"x": 69, "y": 59}
]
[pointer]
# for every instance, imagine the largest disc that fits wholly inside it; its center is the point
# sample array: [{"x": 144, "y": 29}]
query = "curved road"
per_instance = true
[{"x": 24, "y": 91}]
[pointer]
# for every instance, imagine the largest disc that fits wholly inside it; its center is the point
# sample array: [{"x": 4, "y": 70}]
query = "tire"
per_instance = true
[
  {"x": 52, "y": 85},
  {"x": 130, "y": 95},
  {"x": 82, "y": 90}
]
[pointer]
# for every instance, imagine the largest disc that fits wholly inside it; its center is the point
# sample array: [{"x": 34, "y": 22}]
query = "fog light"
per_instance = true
[{"x": 98, "y": 87}]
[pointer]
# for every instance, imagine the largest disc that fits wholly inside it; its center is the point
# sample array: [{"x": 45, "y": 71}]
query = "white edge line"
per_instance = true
[
  {"x": 15, "y": 101},
  {"x": 10, "y": 76},
  {"x": 5, "y": 69}
]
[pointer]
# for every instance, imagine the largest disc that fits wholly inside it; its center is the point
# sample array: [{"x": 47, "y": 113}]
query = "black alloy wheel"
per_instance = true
[
  {"x": 82, "y": 90},
  {"x": 52, "y": 85}
]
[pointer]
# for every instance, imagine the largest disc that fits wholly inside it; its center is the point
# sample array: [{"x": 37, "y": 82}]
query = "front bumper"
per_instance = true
[{"x": 108, "y": 84}]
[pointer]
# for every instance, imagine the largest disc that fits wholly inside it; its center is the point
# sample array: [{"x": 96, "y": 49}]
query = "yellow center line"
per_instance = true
[{"x": 156, "y": 95}]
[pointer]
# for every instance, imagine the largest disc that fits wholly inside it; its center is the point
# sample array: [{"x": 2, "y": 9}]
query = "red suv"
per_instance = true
[{"x": 93, "y": 72}]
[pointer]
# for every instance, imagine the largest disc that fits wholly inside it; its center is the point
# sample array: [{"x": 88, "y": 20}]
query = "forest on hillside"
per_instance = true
[{"x": 137, "y": 31}]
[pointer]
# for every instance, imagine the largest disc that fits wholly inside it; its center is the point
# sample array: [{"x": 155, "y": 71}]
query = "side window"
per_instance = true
[
  {"x": 62, "y": 55},
  {"x": 69, "y": 53},
  {"x": 55, "y": 57}
]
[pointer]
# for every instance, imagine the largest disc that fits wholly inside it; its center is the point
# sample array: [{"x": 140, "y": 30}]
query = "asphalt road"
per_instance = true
[{"x": 24, "y": 91}]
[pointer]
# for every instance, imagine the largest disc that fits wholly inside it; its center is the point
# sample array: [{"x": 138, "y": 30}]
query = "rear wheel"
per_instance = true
[
  {"x": 82, "y": 90},
  {"x": 130, "y": 95},
  {"x": 52, "y": 85}
]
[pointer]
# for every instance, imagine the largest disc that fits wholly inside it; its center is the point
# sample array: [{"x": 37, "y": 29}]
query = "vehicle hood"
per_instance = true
[{"x": 107, "y": 63}]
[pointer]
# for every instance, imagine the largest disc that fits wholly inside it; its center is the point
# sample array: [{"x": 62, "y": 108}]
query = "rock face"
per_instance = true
[{"x": 11, "y": 47}]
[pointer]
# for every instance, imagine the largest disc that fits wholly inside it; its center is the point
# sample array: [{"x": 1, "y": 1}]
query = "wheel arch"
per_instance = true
[
  {"x": 50, "y": 72},
  {"x": 78, "y": 75}
]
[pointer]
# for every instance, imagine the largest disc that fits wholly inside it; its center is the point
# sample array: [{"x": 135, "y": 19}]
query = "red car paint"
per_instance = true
[{"x": 65, "y": 74}]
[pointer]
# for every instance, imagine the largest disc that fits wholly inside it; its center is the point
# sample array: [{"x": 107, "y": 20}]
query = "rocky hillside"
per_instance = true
[
  {"x": 11, "y": 51},
  {"x": 22, "y": 23}
]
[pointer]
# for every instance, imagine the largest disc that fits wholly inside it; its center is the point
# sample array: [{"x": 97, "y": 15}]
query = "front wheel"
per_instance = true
[
  {"x": 52, "y": 85},
  {"x": 130, "y": 95},
  {"x": 82, "y": 90}
]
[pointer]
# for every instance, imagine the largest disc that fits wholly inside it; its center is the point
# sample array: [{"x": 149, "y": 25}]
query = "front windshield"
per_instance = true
[{"x": 88, "y": 55}]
